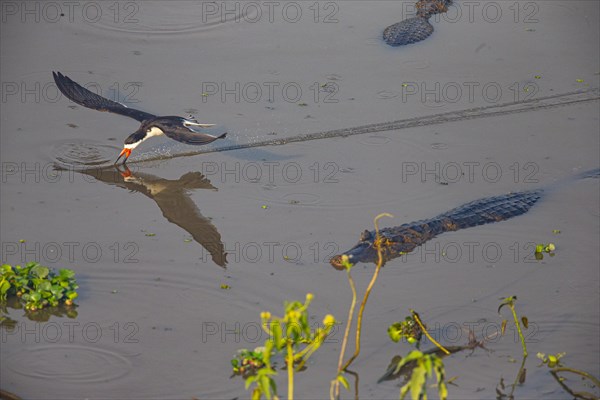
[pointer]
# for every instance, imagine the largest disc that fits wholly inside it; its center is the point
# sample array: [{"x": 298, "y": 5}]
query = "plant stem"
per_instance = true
[
  {"x": 290, "y": 368},
  {"x": 347, "y": 332},
  {"x": 360, "y": 316},
  {"x": 518, "y": 378},
  {"x": 418, "y": 319},
  {"x": 514, "y": 313},
  {"x": 368, "y": 291},
  {"x": 580, "y": 395}
]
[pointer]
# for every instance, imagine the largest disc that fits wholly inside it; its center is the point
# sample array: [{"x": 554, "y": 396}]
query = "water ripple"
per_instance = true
[
  {"x": 81, "y": 364},
  {"x": 83, "y": 153},
  {"x": 174, "y": 18}
]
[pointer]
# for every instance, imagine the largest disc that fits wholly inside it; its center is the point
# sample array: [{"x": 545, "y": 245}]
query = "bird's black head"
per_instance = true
[
  {"x": 136, "y": 137},
  {"x": 132, "y": 142}
]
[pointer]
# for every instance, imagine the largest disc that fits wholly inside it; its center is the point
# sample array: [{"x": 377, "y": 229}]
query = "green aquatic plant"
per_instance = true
[
  {"x": 291, "y": 336},
  {"x": 510, "y": 302},
  {"x": 340, "y": 379},
  {"x": 408, "y": 329},
  {"x": 38, "y": 286},
  {"x": 556, "y": 368},
  {"x": 422, "y": 364},
  {"x": 522, "y": 373},
  {"x": 425, "y": 365},
  {"x": 412, "y": 329},
  {"x": 255, "y": 367},
  {"x": 377, "y": 244},
  {"x": 545, "y": 248},
  {"x": 334, "y": 390}
]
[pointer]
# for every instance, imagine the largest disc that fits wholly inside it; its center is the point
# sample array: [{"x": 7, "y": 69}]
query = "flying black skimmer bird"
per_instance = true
[{"x": 177, "y": 128}]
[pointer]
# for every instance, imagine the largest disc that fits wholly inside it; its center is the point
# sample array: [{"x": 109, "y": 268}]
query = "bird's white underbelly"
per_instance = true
[{"x": 154, "y": 131}]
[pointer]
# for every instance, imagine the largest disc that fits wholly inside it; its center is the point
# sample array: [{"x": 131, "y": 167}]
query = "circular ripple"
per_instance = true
[
  {"x": 181, "y": 17},
  {"x": 439, "y": 146},
  {"x": 80, "y": 153},
  {"x": 375, "y": 140},
  {"x": 388, "y": 94},
  {"x": 69, "y": 364}
]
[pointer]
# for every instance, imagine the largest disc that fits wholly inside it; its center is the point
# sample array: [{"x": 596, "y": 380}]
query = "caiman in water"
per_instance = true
[
  {"x": 403, "y": 239},
  {"x": 415, "y": 29}
]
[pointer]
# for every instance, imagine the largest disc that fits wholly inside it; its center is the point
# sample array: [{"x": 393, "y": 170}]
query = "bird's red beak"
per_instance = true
[{"x": 125, "y": 152}]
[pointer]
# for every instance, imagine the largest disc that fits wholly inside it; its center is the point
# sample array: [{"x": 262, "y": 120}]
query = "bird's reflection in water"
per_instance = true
[{"x": 173, "y": 199}]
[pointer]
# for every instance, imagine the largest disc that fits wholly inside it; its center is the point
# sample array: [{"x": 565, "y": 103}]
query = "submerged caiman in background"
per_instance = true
[
  {"x": 415, "y": 29},
  {"x": 403, "y": 239}
]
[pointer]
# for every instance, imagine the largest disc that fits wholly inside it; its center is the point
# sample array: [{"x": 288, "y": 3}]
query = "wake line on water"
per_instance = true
[{"x": 541, "y": 103}]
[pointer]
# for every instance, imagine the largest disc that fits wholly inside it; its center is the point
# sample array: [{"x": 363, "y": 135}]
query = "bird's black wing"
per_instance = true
[
  {"x": 86, "y": 98},
  {"x": 180, "y": 209},
  {"x": 188, "y": 136}
]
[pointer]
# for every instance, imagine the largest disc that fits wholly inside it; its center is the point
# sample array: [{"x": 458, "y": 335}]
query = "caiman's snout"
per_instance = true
[
  {"x": 336, "y": 262},
  {"x": 362, "y": 252}
]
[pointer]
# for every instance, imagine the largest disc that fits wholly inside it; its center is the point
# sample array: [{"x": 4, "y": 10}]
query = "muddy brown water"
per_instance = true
[{"x": 152, "y": 319}]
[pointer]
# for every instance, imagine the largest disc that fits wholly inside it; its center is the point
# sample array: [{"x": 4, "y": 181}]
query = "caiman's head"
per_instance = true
[{"x": 364, "y": 251}]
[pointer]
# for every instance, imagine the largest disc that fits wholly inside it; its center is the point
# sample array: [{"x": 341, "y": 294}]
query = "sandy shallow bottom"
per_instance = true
[{"x": 152, "y": 319}]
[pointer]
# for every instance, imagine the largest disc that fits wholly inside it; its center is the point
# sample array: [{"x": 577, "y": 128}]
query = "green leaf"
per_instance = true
[
  {"x": 508, "y": 301},
  {"x": 413, "y": 355},
  {"x": 250, "y": 380},
  {"x": 40, "y": 271},
  {"x": 4, "y": 286},
  {"x": 273, "y": 384},
  {"x": 342, "y": 379},
  {"x": 57, "y": 291},
  {"x": 395, "y": 332},
  {"x": 442, "y": 390},
  {"x": 71, "y": 295},
  {"x": 44, "y": 285},
  {"x": 265, "y": 386},
  {"x": 277, "y": 335},
  {"x": 404, "y": 391},
  {"x": 6, "y": 269},
  {"x": 66, "y": 273},
  {"x": 417, "y": 382}
]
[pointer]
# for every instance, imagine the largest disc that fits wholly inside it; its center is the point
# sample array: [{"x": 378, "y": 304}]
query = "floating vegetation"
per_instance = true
[
  {"x": 545, "y": 248},
  {"x": 38, "y": 286},
  {"x": 290, "y": 336}
]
